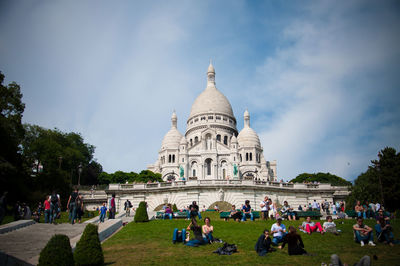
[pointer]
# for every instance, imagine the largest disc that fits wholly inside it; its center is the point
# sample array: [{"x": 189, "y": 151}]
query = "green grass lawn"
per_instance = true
[{"x": 151, "y": 243}]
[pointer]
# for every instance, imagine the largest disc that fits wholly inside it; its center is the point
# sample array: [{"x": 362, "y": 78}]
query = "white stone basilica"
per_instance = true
[{"x": 211, "y": 147}]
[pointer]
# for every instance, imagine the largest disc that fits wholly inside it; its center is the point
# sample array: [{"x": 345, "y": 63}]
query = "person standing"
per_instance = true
[
  {"x": 103, "y": 212},
  {"x": 79, "y": 208},
  {"x": 47, "y": 210},
  {"x": 71, "y": 204},
  {"x": 112, "y": 207},
  {"x": 127, "y": 208},
  {"x": 264, "y": 208},
  {"x": 278, "y": 230},
  {"x": 53, "y": 206}
]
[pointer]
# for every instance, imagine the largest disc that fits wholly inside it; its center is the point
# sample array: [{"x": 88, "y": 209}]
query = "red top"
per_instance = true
[{"x": 46, "y": 205}]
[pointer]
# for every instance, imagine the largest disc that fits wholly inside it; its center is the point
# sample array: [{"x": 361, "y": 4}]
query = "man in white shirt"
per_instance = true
[
  {"x": 278, "y": 230},
  {"x": 264, "y": 208},
  {"x": 315, "y": 205}
]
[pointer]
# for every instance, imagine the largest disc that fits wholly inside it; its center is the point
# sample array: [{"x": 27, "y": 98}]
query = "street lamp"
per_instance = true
[{"x": 79, "y": 174}]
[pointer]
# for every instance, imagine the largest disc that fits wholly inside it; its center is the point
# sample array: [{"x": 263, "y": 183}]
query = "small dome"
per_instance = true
[
  {"x": 171, "y": 139},
  {"x": 248, "y": 138},
  {"x": 183, "y": 141}
]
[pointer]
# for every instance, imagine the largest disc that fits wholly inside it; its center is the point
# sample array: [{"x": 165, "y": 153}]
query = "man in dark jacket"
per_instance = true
[{"x": 263, "y": 245}]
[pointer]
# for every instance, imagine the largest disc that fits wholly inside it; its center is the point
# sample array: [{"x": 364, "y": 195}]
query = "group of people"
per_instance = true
[
  {"x": 367, "y": 210},
  {"x": 335, "y": 208}
]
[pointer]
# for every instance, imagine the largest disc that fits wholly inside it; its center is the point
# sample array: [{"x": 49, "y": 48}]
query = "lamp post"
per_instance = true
[{"x": 79, "y": 174}]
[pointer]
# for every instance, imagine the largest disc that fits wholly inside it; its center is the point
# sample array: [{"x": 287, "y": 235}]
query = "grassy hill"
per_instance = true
[{"x": 151, "y": 243}]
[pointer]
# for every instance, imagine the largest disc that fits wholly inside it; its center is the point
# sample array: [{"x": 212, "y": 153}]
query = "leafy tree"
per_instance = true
[
  {"x": 58, "y": 154},
  {"x": 11, "y": 134},
  {"x": 381, "y": 182},
  {"x": 123, "y": 177},
  {"x": 322, "y": 178}
]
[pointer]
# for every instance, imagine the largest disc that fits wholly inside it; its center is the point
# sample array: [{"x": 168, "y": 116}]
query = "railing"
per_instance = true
[{"x": 221, "y": 182}]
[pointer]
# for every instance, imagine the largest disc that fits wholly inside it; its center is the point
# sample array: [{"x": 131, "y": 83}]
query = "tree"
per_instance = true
[
  {"x": 322, "y": 178},
  {"x": 141, "y": 213},
  {"x": 57, "y": 252},
  {"x": 123, "y": 177},
  {"x": 11, "y": 134},
  {"x": 88, "y": 249},
  {"x": 58, "y": 154},
  {"x": 381, "y": 182}
]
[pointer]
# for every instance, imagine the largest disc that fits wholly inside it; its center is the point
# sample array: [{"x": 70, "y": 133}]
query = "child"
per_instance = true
[{"x": 103, "y": 212}]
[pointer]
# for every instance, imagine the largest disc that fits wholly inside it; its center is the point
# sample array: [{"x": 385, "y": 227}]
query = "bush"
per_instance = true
[
  {"x": 57, "y": 252},
  {"x": 174, "y": 208},
  {"x": 88, "y": 249},
  {"x": 141, "y": 213}
]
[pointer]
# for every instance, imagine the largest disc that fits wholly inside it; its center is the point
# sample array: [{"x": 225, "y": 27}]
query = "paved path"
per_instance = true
[{"x": 27, "y": 242}]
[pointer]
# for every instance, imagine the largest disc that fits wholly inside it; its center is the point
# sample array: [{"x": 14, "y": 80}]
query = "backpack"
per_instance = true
[
  {"x": 54, "y": 199},
  {"x": 227, "y": 249}
]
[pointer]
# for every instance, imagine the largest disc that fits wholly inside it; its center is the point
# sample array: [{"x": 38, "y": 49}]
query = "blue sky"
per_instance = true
[{"x": 321, "y": 79}]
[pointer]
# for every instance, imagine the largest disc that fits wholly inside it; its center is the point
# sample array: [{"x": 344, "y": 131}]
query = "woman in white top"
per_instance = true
[
  {"x": 330, "y": 226},
  {"x": 208, "y": 229}
]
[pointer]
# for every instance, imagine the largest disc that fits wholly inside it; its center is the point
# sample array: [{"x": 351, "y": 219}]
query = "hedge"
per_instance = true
[
  {"x": 141, "y": 213},
  {"x": 88, "y": 249},
  {"x": 57, "y": 252}
]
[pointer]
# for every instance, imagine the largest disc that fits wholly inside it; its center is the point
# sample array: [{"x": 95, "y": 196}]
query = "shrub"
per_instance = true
[
  {"x": 174, "y": 208},
  {"x": 88, "y": 249},
  {"x": 141, "y": 213},
  {"x": 57, "y": 252}
]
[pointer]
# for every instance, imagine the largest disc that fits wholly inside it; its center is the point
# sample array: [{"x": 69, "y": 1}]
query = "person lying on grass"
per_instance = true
[
  {"x": 294, "y": 241},
  {"x": 363, "y": 232},
  {"x": 310, "y": 226},
  {"x": 198, "y": 237},
  {"x": 263, "y": 245},
  {"x": 330, "y": 226}
]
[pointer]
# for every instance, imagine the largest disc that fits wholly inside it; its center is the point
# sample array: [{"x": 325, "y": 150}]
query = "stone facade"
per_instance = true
[
  {"x": 212, "y": 147},
  {"x": 207, "y": 192}
]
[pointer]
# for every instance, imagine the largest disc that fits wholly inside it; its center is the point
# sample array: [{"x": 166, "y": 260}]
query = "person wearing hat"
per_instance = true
[{"x": 278, "y": 230}]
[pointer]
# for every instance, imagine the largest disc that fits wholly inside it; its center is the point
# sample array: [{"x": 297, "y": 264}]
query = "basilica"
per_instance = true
[{"x": 212, "y": 148}]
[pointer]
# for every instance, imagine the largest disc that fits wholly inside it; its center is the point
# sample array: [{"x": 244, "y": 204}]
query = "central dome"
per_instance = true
[{"x": 211, "y": 99}]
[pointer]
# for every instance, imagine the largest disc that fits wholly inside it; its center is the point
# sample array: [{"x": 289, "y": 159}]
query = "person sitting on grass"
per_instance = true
[
  {"x": 381, "y": 215},
  {"x": 363, "y": 233},
  {"x": 208, "y": 229},
  {"x": 330, "y": 226},
  {"x": 235, "y": 214},
  {"x": 384, "y": 232},
  {"x": 294, "y": 241},
  {"x": 263, "y": 245},
  {"x": 309, "y": 226},
  {"x": 168, "y": 212},
  {"x": 198, "y": 237},
  {"x": 364, "y": 261},
  {"x": 247, "y": 211},
  {"x": 279, "y": 231}
]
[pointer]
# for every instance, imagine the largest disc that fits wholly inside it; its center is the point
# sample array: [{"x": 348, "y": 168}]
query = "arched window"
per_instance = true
[
  {"x": 191, "y": 142},
  {"x": 247, "y": 156},
  {"x": 208, "y": 142},
  {"x": 169, "y": 158},
  {"x": 226, "y": 140},
  {"x": 219, "y": 138},
  {"x": 196, "y": 139},
  {"x": 240, "y": 157},
  {"x": 194, "y": 169},
  {"x": 208, "y": 166},
  {"x": 173, "y": 158},
  {"x": 194, "y": 172},
  {"x": 251, "y": 156}
]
